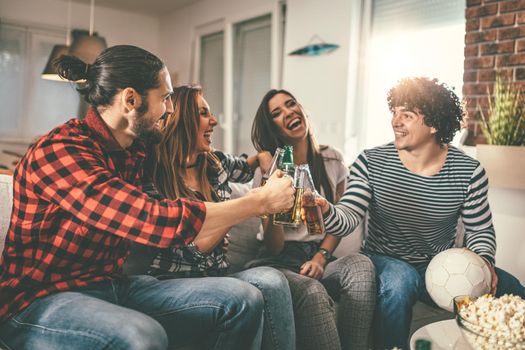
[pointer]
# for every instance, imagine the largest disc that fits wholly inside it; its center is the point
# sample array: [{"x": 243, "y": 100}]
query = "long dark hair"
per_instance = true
[
  {"x": 266, "y": 137},
  {"x": 179, "y": 140},
  {"x": 116, "y": 68}
]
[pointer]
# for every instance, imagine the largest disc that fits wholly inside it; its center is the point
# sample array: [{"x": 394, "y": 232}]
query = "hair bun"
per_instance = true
[{"x": 71, "y": 68}]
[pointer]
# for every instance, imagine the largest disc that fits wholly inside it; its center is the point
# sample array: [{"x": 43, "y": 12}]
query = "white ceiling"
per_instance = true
[{"x": 145, "y": 7}]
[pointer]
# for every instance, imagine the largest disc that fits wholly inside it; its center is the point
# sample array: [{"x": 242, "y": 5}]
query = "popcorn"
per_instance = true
[{"x": 499, "y": 323}]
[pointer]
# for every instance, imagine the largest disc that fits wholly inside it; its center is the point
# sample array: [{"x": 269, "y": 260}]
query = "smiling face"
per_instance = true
[
  {"x": 410, "y": 130},
  {"x": 207, "y": 121},
  {"x": 288, "y": 117},
  {"x": 154, "y": 108}
]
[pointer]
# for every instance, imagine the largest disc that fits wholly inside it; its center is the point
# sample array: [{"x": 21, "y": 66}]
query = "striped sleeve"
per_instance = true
[
  {"x": 345, "y": 216},
  {"x": 477, "y": 218}
]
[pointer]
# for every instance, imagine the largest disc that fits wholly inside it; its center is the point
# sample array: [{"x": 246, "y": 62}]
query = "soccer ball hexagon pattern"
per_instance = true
[{"x": 456, "y": 271}]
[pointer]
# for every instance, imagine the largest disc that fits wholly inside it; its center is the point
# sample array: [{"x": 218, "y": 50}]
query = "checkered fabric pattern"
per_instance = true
[
  {"x": 77, "y": 204},
  {"x": 187, "y": 261}
]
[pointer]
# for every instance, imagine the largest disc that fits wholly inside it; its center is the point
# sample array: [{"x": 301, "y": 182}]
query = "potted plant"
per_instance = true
[{"x": 504, "y": 129}]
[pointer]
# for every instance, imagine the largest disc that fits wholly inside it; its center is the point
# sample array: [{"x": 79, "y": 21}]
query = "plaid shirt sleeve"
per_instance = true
[
  {"x": 236, "y": 168},
  {"x": 75, "y": 176}
]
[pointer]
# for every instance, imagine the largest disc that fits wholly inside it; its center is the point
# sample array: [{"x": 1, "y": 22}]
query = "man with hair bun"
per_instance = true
[
  {"x": 78, "y": 204},
  {"x": 414, "y": 190}
]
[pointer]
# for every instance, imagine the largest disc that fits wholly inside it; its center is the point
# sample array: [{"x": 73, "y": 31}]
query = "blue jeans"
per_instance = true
[
  {"x": 279, "y": 326},
  {"x": 399, "y": 286},
  {"x": 141, "y": 312}
]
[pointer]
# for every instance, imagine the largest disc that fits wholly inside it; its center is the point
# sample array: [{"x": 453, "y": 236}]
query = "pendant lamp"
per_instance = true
[
  {"x": 315, "y": 47},
  {"x": 50, "y": 72},
  {"x": 87, "y": 45}
]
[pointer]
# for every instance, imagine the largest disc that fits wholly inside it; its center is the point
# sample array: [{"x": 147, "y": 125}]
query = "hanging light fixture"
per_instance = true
[
  {"x": 87, "y": 46},
  {"x": 315, "y": 47},
  {"x": 50, "y": 72}
]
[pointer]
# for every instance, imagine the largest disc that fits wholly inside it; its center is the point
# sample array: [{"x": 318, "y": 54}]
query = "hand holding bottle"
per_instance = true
[{"x": 278, "y": 194}]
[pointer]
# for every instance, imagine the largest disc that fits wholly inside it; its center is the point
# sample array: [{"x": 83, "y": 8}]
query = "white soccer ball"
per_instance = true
[{"x": 456, "y": 271}]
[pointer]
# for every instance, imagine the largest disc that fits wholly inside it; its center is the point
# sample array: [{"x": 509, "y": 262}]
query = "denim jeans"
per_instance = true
[
  {"x": 399, "y": 286},
  {"x": 279, "y": 326},
  {"x": 141, "y": 312}
]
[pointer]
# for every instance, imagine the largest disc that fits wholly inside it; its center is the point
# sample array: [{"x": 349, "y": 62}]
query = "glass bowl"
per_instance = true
[{"x": 482, "y": 337}]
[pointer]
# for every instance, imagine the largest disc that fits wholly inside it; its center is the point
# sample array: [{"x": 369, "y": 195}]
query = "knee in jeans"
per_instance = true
[
  {"x": 271, "y": 278},
  {"x": 140, "y": 333},
  {"x": 248, "y": 297},
  {"x": 402, "y": 288}
]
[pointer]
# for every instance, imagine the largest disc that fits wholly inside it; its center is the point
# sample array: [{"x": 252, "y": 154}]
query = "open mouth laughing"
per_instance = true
[
  {"x": 207, "y": 135},
  {"x": 294, "y": 123}
]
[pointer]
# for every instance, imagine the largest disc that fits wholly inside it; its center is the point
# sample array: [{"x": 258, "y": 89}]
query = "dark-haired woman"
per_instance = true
[
  {"x": 186, "y": 166},
  {"x": 315, "y": 277}
]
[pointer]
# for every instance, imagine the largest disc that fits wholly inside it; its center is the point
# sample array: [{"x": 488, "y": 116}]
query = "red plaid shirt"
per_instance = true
[{"x": 77, "y": 204}]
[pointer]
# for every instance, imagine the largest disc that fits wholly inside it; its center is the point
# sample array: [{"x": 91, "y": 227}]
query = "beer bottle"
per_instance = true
[
  {"x": 287, "y": 164},
  {"x": 277, "y": 156},
  {"x": 313, "y": 212},
  {"x": 291, "y": 217},
  {"x": 423, "y": 344}
]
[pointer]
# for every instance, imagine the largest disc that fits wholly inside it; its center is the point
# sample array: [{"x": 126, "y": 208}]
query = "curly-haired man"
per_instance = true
[{"x": 415, "y": 190}]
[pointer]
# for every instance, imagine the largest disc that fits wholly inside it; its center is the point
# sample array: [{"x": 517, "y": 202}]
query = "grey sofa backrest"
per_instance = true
[{"x": 6, "y": 204}]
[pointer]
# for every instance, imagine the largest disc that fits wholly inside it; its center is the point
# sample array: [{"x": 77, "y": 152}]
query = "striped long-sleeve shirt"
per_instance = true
[{"x": 414, "y": 217}]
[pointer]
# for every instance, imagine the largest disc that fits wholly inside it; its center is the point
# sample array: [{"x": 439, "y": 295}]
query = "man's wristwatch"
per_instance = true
[{"x": 327, "y": 255}]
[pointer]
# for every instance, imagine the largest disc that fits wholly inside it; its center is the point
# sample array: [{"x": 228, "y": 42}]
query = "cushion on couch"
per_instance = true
[{"x": 6, "y": 205}]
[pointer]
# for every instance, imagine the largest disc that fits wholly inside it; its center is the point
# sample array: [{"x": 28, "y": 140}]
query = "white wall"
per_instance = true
[
  {"x": 117, "y": 27},
  {"x": 319, "y": 82},
  {"x": 178, "y": 29}
]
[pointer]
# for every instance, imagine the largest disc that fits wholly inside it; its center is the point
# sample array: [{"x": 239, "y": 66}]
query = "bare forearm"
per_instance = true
[
  {"x": 253, "y": 161},
  {"x": 221, "y": 216},
  {"x": 330, "y": 243},
  {"x": 207, "y": 243}
]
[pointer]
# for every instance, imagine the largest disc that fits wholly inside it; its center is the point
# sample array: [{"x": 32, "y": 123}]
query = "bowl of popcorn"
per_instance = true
[{"x": 489, "y": 323}]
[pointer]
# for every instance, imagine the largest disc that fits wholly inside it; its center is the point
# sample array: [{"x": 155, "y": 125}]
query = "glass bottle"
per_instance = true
[
  {"x": 313, "y": 213},
  {"x": 286, "y": 163},
  {"x": 274, "y": 165},
  {"x": 292, "y": 217},
  {"x": 423, "y": 344}
]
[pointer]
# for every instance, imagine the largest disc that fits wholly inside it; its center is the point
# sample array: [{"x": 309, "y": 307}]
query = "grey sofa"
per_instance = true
[{"x": 243, "y": 247}]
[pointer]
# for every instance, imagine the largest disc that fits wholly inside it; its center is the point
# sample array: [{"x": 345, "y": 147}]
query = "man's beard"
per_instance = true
[{"x": 150, "y": 134}]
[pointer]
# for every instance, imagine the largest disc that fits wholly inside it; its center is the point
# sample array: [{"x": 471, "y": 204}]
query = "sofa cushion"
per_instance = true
[
  {"x": 6, "y": 204},
  {"x": 244, "y": 245}
]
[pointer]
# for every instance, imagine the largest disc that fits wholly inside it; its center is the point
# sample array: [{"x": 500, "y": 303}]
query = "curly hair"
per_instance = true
[{"x": 438, "y": 103}]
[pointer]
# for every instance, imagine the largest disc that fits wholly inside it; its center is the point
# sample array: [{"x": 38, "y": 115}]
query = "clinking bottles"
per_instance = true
[
  {"x": 293, "y": 216},
  {"x": 274, "y": 165},
  {"x": 287, "y": 164},
  {"x": 313, "y": 213}
]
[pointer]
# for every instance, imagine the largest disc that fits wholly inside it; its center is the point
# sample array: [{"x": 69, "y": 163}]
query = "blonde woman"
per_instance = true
[{"x": 187, "y": 166}]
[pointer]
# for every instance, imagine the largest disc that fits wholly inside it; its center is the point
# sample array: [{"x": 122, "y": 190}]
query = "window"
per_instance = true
[
  {"x": 211, "y": 75},
  {"x": 237, "y": 59},
  {"x": 409, "y": 38},
  {"x": 31, "y": 106},
  {"x": 251, "y": 76}
]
